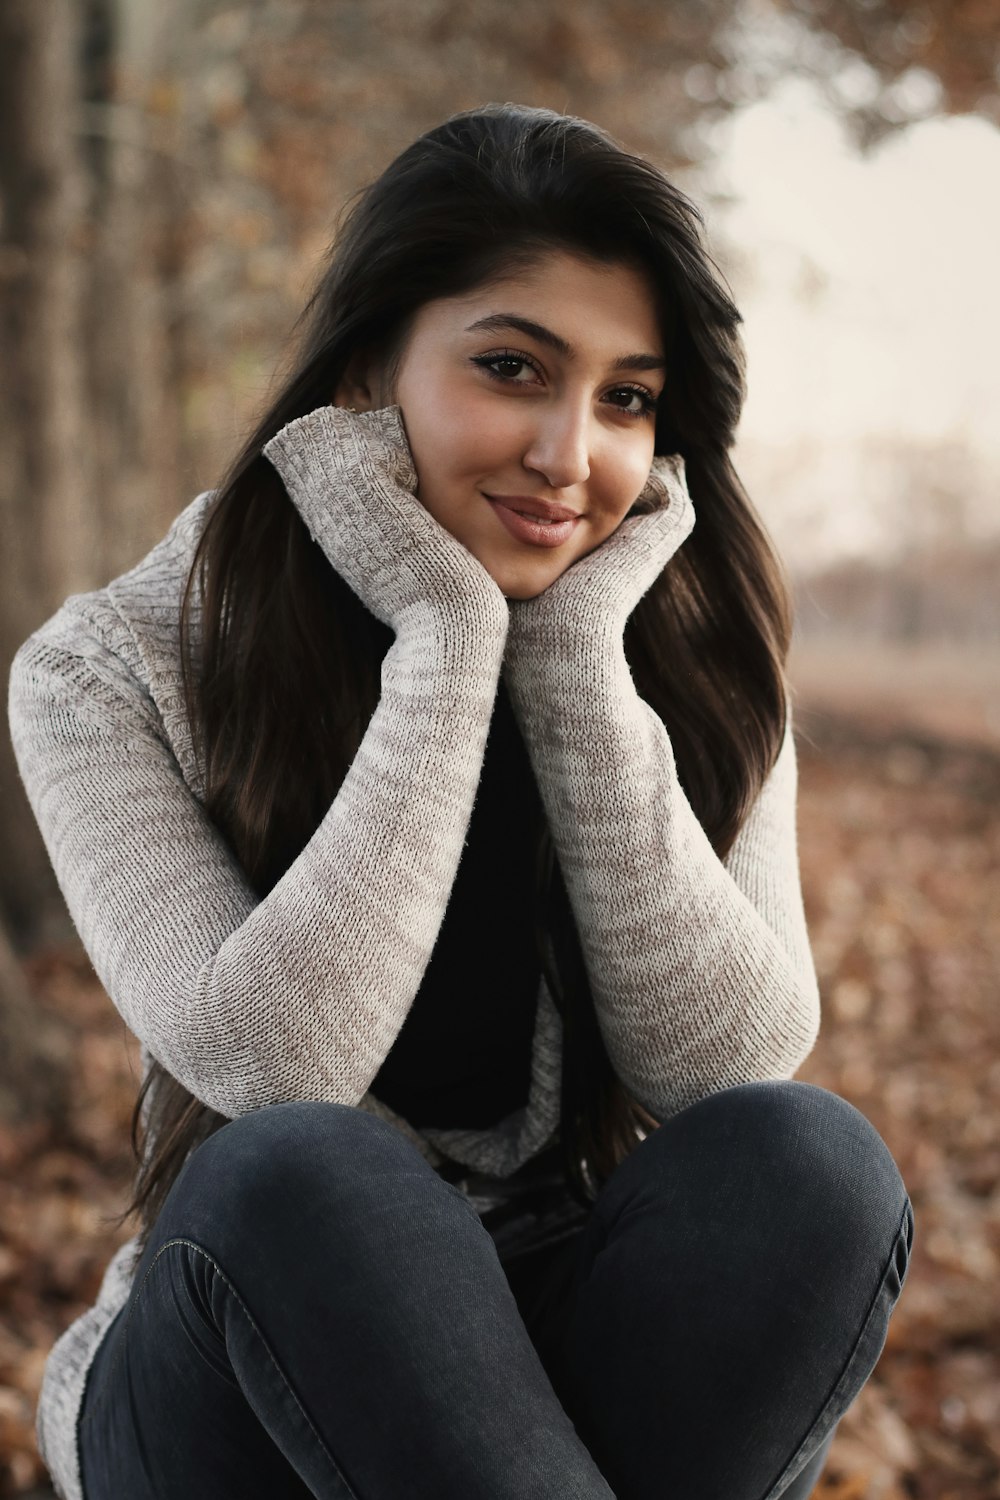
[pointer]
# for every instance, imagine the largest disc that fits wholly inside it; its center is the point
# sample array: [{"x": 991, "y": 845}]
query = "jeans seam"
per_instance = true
[
  {"x": 902, "y": 1229},
  {"x": 180, "y": 1240}
]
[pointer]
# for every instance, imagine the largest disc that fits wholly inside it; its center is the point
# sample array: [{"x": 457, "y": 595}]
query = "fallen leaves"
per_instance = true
[
  {"x": 900, "y": 851},
  {"x": 58, "y": 1197}
]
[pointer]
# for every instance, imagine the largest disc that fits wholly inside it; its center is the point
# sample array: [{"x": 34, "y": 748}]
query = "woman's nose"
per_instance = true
[{"x": 559, "y": 447}]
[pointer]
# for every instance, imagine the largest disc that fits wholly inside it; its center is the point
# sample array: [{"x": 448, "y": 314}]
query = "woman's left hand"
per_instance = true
[{"x": 607, "y": 584}]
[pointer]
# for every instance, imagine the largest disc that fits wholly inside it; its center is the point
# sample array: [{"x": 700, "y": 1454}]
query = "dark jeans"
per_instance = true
[{"x": 319, "y": 1312}]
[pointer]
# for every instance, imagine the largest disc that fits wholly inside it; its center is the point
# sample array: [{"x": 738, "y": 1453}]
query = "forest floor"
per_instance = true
[{"x": 900, "y": 846}]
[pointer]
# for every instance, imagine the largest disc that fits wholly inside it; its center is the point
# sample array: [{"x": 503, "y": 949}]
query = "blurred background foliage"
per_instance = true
[{"x": 169, "y": 178}]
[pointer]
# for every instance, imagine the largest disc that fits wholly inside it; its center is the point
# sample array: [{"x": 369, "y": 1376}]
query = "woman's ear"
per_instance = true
[{"x": 357, "y": 386}]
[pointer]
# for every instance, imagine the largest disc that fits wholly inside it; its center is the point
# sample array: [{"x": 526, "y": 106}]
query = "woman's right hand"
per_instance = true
[{"x": 352, "y": 478}]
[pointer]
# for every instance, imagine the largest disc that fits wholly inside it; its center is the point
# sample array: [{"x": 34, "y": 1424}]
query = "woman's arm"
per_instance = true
[
  {"x": 301, "y": 994},
  {"x": 700, "y": 969}
]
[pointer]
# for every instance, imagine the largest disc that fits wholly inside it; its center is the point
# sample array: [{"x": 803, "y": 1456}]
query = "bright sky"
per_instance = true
[{"x": 869, "y": 286}]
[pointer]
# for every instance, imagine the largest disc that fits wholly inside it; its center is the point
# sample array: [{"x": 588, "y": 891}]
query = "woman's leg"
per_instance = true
[
  {"x": 319, "y": 1313},
  {"x": 731, "y": 1294}
]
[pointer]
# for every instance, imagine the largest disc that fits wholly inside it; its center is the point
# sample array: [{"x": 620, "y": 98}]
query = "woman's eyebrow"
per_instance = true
[{"x": 501, "y": 322}]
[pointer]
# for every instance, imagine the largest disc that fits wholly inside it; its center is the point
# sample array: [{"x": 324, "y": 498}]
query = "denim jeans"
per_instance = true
[{"x": 318, "y": 1312}]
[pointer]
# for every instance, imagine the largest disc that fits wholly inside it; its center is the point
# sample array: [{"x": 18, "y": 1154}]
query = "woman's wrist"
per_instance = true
[
  {"x": 469, "y": 628},
  {"x": 550, "y": 669},
  {"x": 549, "y": 632}
]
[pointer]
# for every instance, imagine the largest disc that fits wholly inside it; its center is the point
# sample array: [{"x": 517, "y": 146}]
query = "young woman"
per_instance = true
[{"x": 426, "y": 803}]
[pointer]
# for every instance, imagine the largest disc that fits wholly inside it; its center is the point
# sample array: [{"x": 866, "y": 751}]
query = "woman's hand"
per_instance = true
[
  {"x": 352, "y": 478},
  {"x": 608, "y": 583}
]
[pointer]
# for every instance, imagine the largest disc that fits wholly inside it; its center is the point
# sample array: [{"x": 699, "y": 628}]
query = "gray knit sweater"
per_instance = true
[{"x": 700, "y": 968}]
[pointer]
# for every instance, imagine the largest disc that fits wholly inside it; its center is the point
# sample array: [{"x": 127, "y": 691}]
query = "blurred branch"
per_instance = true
[{"x": 885, "y": 64}]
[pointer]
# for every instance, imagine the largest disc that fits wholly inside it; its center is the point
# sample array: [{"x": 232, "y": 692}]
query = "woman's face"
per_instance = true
[{"x": 537, "y": 387}]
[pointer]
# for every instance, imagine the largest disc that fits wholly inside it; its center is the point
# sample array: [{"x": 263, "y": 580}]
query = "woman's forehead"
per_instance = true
[{"x": 559, "y": 290}]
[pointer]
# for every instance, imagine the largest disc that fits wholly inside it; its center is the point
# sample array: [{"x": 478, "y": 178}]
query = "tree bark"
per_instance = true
[
  {"x": 135, "y": 436},
  {"x": 44, "y": 479},
  {"x": 89, "y": 407}
]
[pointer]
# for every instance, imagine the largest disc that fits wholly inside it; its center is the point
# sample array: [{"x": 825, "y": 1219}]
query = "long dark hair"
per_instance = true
[{"x": 479, "y": 196}]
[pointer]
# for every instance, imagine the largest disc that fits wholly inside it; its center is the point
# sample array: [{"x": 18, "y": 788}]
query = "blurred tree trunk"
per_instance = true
[
  {"x": 44, "y": 470},
  {"x": 89, "y": 425},
  {"x": 89, "y": 428},
  {"x": 130, "y": 320}
]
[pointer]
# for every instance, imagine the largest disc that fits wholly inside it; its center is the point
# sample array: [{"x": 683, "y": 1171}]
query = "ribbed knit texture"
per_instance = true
[{"x": 701, "y": 971}]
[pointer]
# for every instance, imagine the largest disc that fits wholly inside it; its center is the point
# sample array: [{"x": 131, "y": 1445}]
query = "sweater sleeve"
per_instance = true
[
  {"x": 247, "y": 1001},
  {"x": 700, "y": 968}
]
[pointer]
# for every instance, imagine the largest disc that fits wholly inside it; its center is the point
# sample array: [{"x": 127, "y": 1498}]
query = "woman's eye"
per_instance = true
[
  {"x": 638, "y": 401},
  {"x": 504, "y": 366}
]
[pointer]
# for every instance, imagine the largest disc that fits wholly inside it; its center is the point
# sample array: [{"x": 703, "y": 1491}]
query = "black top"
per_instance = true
[{"x": 463, "y": 1054}]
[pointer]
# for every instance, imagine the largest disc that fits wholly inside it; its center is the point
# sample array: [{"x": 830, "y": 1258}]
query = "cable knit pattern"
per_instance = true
[{"x": 701, "y": 973}]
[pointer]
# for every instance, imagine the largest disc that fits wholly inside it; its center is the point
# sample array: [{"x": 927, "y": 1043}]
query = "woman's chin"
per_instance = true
[
  {"x": 523, "y": 583},
  {"x": 522, "y": 591}
]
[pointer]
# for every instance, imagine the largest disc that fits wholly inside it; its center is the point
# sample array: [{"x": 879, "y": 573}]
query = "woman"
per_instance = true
[{"x": 435, "y": 766}]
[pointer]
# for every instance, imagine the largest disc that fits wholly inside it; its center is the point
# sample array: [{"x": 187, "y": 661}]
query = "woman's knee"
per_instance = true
[
  {"x": 288, "y": 1161},
  {"x": 818, "y": 1145},
  {"x": 785, "y": 1148}
]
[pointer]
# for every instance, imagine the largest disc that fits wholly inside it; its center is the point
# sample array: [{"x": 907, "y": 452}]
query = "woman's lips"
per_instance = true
[{"x": 530, "y": 529}]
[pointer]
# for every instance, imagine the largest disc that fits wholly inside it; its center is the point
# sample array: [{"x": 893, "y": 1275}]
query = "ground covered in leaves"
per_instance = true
[{"x": 900, "y": 839}]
